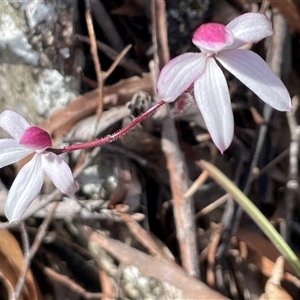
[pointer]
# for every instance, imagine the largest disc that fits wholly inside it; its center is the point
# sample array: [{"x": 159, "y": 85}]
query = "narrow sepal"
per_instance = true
[
  {"x": 178, "y": 74},
  {"x": 249, "y": 28},
  {"x": 11, "y": 152},
  {"x": 13, "y": 123},
  {"x": 212, "y": 97},
  {"x": 253, "y": 72},
  {"x": 59, "y": 172},
  {"x": 25, "y": 188}
]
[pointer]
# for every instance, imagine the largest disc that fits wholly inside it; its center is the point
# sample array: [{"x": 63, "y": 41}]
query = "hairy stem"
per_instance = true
[{"x": 111, "y": 137}]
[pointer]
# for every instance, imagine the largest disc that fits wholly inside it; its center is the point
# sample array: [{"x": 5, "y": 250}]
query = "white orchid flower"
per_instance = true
[
  {"x": 219, "y": 42},
  {"x": 27, "y": 140}
]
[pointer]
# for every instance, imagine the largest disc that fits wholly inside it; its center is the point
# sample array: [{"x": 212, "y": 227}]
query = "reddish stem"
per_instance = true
[{"x": 110, "y": 137}]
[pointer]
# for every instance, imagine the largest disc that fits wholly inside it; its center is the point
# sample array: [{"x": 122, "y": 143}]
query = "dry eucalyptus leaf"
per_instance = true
[
  {"x": 151, "y": 266},
  {"x": 262, "y": 254},
  {"x": 12, "y": 261}
]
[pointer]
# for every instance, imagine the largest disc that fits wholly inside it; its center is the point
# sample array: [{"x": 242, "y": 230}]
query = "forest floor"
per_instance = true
[{"x": 151, "y": 219}]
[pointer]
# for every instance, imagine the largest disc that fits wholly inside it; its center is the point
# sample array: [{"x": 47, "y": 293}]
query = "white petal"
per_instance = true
[
  {"x": 26, "y": 186},
  {"x": 178, "y": 74},
  {"x": 13, "y": 123},
  {"x": 11, "y": 152},
  {"x": 249, "y": 28},
  {"x": 212, "y": 96},
  {"x": 59, "y": 172},
  {"x": 253, "y": 72}
]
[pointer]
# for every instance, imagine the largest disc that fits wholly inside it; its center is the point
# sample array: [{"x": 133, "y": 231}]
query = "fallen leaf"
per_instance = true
[
  {"x": 263, "y": 254},
  {"x": 12, "y": 261},
  {"x": 151, "y": 266}
]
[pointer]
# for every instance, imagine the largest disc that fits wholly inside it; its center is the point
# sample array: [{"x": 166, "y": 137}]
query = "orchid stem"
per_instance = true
[{"x": 110, "y": 137}]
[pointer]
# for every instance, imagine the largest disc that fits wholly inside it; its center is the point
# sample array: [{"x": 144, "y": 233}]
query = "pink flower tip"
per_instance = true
[
  {"x": 36, "y": 138},
  {"x": 213, "y": 37}
]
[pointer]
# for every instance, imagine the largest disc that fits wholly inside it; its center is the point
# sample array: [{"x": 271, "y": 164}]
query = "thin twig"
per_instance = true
[
  {"x": 162, "y": 33},
  {"x": 145, "y": 239},
  {"x": 94, "y": 52},
  {"x": 73, "y": 286},
  {"x": 264, "y": 6},
  {"x": 211, "y": 257},
  {"x": 212, "y": 206},
  {"x": 117, "y": 61},
  {"x": 33, "y": 249},
  {"x": 183, "y": 207},
  {"x": 107, "y": 285},
  {"x": 292, "y": 185},
  {"x": 196, "y": 184},
  {"x": 267, "y": 168},
  {"x": 129, "y": 64},
  {"x": 25, "y": 239}
]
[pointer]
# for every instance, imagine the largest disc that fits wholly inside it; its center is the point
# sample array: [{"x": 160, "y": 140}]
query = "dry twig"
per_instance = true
[
  {"x": 183, "y": 207},
  {"x": 144, "y": 238},
  {"x": 292, "y": 185},
  {"x": 129, "y": 64},
  {"x": 73, "y": 286},
  {"x": 96, "y": 60},
  {"x": 101, "y": 75},
  {"x": 32, "y": 251}
]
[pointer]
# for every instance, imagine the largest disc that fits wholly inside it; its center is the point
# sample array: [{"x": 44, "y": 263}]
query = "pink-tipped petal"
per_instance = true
[
  {"x": 59, "y": 172},
  {"x": 11, "y": 151},
  {"x": 13, "y": 123},
  {"x": 212, "y": 96},
  {"x": 253, "y": 72},
  {"x": 178, "y": 74},
  {"x": 212, "y": 37},
  {"x": 25, "y": 188},
  {"x": 36, "y": 138},
  {"x": 249, "y": 28}
]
